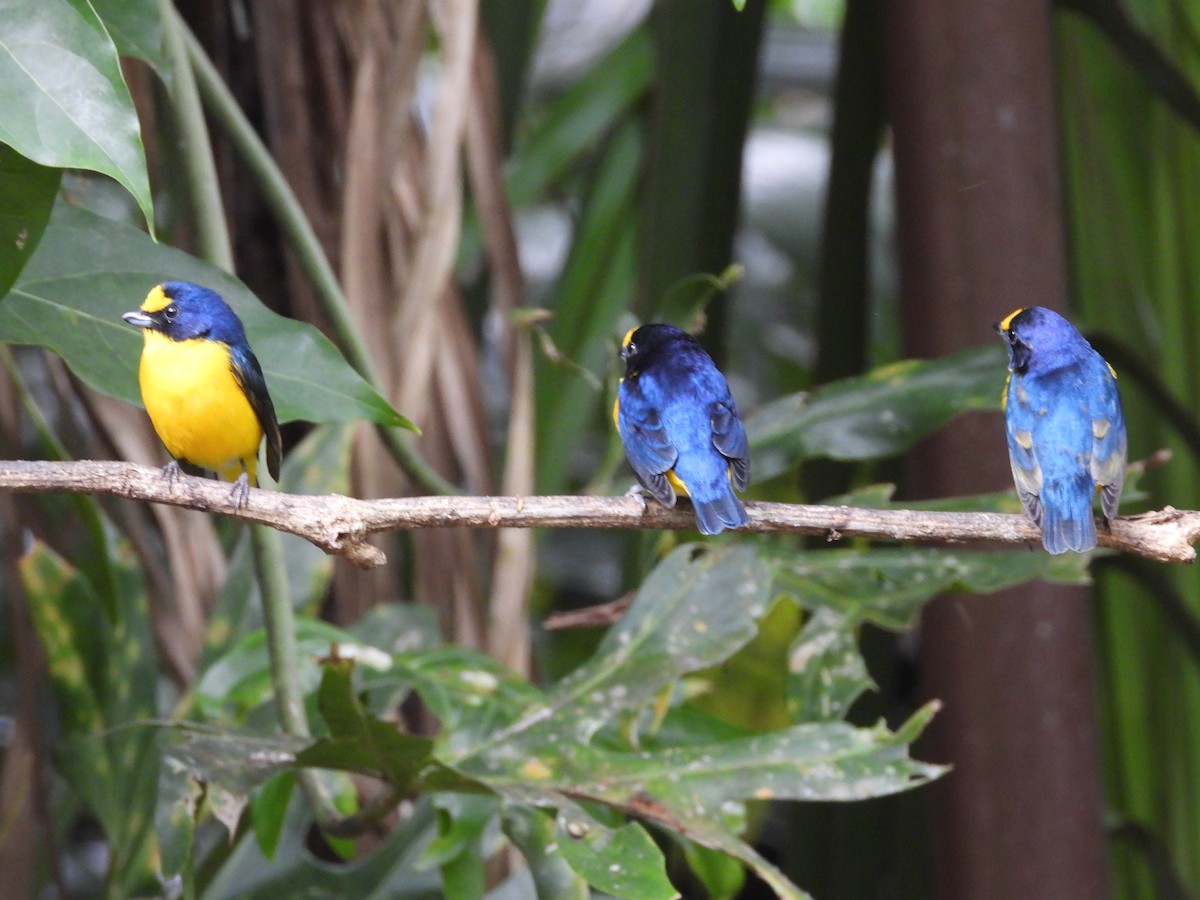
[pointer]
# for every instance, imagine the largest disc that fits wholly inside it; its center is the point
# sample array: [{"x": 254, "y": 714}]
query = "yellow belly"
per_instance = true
[{"x": 196, "y": 405}]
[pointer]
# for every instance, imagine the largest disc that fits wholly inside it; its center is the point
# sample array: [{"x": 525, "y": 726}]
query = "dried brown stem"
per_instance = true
[{"x": 340, "y": 525}]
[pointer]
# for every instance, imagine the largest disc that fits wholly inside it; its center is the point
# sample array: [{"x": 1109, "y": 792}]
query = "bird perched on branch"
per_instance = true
[
  {"x": 1066, "y": 431},
  {"x": 680, "y": 426},
  {"x": 203, "y": 386}
]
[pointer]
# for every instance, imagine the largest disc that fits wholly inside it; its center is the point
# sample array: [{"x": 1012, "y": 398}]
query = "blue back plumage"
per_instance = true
[
  {"x": 1065, "y": 427},
  {"x": 676, "y": 417}
]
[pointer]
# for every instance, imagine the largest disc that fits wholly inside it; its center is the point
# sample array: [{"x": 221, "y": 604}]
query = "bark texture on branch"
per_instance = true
[{"x": 340, "y": 525}]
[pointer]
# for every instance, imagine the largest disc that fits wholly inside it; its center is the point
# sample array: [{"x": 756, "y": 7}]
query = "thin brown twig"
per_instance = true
[{"x": 340, "y": 525}]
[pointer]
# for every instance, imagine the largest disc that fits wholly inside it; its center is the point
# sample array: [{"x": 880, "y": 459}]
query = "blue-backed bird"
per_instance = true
[
  {"x": 203, "y": 386},
  {"x": 1066, "y": 431},
  {"x": 680, "y": 427}
]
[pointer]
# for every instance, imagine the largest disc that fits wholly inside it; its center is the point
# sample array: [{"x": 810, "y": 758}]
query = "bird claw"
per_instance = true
[
  {"x": 639, "y": 493},
  {"x": 171, "y": 473},
  {"x": 241, "y": 491}
]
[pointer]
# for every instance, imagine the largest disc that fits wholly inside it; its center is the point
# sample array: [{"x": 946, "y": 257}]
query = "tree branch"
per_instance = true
[{"x": 340, "y": 525}]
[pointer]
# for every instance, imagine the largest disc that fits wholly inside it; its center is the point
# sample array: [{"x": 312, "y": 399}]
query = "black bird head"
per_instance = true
[{"x": 641, "y": 345}]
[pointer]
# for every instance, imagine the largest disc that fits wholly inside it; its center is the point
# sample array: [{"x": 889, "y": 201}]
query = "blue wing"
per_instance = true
[
  {"x": 1108, "y": 444},
  {"x": 1027, "y": 474},
  {"x": 729, "y": 437},
  {"x": 249, "y": 376},
  {"x": 647, "y": 446},
  {"x": 713, "y": 455}
]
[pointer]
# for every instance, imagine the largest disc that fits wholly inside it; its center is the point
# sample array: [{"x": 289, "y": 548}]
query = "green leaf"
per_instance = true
[
  {"x": 236, "y": 762},
  {"x": 462, "y": 819},
  {"x": 240, "y": 679},
  {"x": 359, "y": 741},
  {"x": 65, "y": 101},
  {"x": 888, "y": 586},
  {"x": 879, "y": 414},
  {"x": 579, "y": 118},
  {"x": 104, "y": 674},
  {"x": 826, "y": 673},
  {"x": 59, "y": 601},
  {"x": 295, "y": 872},
  {"x": 695, "y": 610},
  {"x": 624, "y": 862},
  {"x": 590, "y": 297},
  {"x": 811, "y": 761},
  {"x": 722, "y": 876},
  {"x": 685, "y": 303},
  {"x": 699, "y": 606},
  {"x": 536, "y": 835},
  {"x": 89, "y": 270},
  {"x": 26, "y": 197},
  {"x": 136, "y": 28},
  {"x": 179, "y": 796},
  {"x": 268, "y": 808},
  {"x": 472, "y": 695},
  {"x": 699, "y": 791}
]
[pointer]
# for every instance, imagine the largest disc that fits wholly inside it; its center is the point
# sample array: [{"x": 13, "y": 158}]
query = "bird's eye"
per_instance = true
[
  {"x": 630, "y": 348},
  {"x": 171, "y": 312}
]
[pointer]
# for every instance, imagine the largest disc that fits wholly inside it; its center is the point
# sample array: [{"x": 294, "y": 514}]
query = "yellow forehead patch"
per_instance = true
[
  {"x": 628, "y": 337},
  {"x": 1007, "y": 320},
  {"x": 156, "y": 300}
]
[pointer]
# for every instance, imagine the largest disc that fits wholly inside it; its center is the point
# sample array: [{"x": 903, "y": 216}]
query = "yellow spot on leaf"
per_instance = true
[{"x": 535, "y": 769}]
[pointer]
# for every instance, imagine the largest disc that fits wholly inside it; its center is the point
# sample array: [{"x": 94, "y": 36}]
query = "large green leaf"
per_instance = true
[
  {"x": 887, "y": 586},
  {"x": 88, "y": 270},
  {"x": 240, "y": 680},
  {"x": 879, "y": 414},
  {"x": 502, "y": 736},
  {"x": 136, "y": 28},
  {"x": 621, "y": 862},
  {"x": 696, "y": 609},
  {"x": 293, "y": 871},
  {"x": 358, "y": 740},
  {"x": 826, "y": 673},
  {"x": 535, "y": 834},
  {"x": 65, "y": 101},
  {"x": 579, "y": 119},
  {"x": 589, "y": 299},
  {"x": 26, "y": 197},
  {"x": 103, "y": 671}
]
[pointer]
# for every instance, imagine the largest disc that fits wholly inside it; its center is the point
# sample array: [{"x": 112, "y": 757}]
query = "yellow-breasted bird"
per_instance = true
[
  {"x": 680, "y": 426},
  {"x": 1065, "y": 427},
  {"x": 203, "y": 386}
]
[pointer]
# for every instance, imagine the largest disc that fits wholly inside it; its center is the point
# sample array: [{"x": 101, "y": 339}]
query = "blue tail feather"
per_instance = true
[
  {"x": 714, "y": 516},
  {"x": 1067, "y": 520}
]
